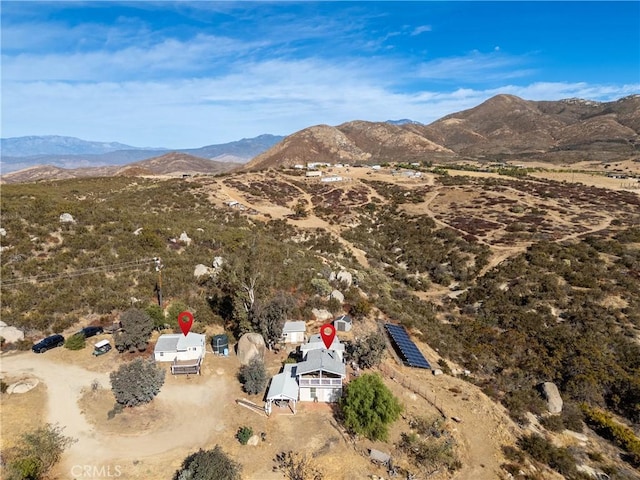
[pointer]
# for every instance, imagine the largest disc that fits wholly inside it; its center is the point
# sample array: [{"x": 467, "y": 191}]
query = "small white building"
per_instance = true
[
  {"x": 313, "y": 173},
  {"x": 283, "y": 388},
  {"x": 179, "y": 347},
  {"x": 331, "y": 178},
  {"x": 294, "y": 332},
  {"x": 298, "y": 166}
]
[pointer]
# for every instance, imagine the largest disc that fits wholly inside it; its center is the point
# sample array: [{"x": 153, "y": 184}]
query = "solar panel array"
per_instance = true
[{"x": 410, "y": 353}]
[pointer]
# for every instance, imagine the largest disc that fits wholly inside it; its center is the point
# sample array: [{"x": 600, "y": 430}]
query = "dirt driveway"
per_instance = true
[{"x": 188, "y": 419}]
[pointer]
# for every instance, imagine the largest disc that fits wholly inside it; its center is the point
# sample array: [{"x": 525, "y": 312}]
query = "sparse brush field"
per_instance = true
[{"x": 517, "y": 280}]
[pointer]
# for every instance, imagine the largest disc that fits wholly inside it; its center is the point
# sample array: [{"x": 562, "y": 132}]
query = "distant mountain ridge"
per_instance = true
[
  {"x": 503, "y": 127},
  {"x": 71, "y": 153}
]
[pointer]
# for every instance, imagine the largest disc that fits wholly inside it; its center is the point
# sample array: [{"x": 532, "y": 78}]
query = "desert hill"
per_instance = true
[
  {"x": 504, "y": 126},
  {"x": 174, "y": 163}
]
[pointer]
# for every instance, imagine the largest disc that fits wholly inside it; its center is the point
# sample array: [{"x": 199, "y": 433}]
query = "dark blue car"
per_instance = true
[{"x": 48, "y": 343}]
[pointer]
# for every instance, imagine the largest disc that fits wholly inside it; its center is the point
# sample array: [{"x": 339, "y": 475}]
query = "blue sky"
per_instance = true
[{"x": 188, "y": 74}]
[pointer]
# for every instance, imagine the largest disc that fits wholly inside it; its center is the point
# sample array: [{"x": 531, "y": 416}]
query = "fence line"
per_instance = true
[{"x": 406, "y": 382}]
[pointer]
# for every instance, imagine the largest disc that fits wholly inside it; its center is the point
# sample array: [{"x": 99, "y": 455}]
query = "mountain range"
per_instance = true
[
  {"x": 73, "y": 153},
  {"x": 504, "y": 127}
]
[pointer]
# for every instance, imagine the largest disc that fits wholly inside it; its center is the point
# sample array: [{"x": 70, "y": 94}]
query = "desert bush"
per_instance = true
[
  {"x": 367, "y": 352},
  {"x": 75, "y": 342},
  {"x": 546, "y": 452},
  {"x": 207, "y": 465},
  {"x": 604, "y": 425},
  {"x": 553, "y": 423},
  {"x": 253, "y": 377},
  {"x": 297, "y": 466},
  {"x": 244, "y": 434},
  {"x": 36, "y": 453}
]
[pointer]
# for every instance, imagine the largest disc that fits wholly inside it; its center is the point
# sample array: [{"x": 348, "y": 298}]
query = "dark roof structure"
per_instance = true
[{"x": 405, "y": 347}]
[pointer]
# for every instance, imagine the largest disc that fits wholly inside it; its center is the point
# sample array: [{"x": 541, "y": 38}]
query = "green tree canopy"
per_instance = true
[
  {"x": 368, "y": 407},
  {"x": 136, "y": 382}
]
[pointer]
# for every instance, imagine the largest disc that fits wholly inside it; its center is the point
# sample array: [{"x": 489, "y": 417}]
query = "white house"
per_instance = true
[
  {"x": 313, "y": 173},
  {"x": 320, "y": 376},
  {"x": 179, "y": 347},
  {"x": 294, "y": 332}
]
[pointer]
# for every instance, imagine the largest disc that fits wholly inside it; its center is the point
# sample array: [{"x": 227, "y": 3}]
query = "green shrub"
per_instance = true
[
  {"x": 75, "y": 342},
  {"x": 244, "y": 434}
]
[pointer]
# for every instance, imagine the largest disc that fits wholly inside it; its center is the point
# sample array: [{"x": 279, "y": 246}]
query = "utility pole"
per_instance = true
[{"x": 159, "y": 266}]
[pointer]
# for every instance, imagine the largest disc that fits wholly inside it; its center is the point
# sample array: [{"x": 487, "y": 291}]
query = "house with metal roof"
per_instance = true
[
  {"x": 320, "y": 376},
  {"x": 177, "y": 346},
  {"x": 343, "y": 323},
  {"x": 294, "y": 332}
]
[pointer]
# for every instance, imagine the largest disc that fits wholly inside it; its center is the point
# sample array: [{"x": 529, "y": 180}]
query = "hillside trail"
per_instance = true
[
  {"x": 311, "y": 222},
  {"x": 65, "y": 385}
]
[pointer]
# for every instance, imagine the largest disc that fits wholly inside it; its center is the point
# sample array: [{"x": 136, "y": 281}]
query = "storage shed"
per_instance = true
[
  {"x": 343, "y": 323},
  {"x": 220, "y": 344}
]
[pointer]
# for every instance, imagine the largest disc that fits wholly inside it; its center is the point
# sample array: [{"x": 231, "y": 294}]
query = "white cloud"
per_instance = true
[
  {"x": 274, "y": 97},
  {"x": 421, "y": 29},
  {"x": 475, "y": 67}
]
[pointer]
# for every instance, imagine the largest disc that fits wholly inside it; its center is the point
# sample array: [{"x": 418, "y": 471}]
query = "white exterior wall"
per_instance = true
[
  {"x": 294, "y": 337},
  {"x": 325, "y": 395},
  {"x": 192, "y": 353}
]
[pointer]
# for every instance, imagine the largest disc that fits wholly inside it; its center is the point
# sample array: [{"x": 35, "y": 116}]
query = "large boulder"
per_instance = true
[
  {"x": 67, "y": 218},
  {"x": 337, "y": 294},
  {"x": 345, "y": 277},
  {"x": 201, "y": 270},
  {"x": 10, "y": 334},
  {"x": 321, "y": 314},
  {"x": 552, "y": 396},
  {"x": 184, "y": 238},
  {"x": 250, "y": 346}
]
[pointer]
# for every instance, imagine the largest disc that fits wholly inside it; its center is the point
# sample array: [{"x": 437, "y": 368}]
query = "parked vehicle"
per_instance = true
[
  {"x": 91, "y": 331},
  {"x": 48, "y": 343},
  {"x": 100, "y": 348}
]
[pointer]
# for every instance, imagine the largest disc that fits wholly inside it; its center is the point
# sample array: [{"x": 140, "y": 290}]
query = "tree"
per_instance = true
[
  {"x": 136, "y": 382},
  {"x": 368, "y": 351},
  {"x": 37, "y": 452},
  {"x": 137, "y": 326},
  {"x": 253, "y": 376},
  {"x": 174, "y": 310},
  {"x": 368, "y": 407},
  {"x": 272, "y": 317},
  {"x": 157, "y": 315},
  {"x": 208, "y": 464}
]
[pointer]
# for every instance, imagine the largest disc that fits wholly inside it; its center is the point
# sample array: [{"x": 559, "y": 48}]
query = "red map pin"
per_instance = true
[
  {"x": 185, "y": 320},
  {"x": 328, "y": 333}
]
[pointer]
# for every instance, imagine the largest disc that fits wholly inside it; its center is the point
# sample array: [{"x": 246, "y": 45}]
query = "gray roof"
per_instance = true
[
  {"x": 315, "y": 343},
  {"x": 284, "y": 385},
  {"x": 290, "y": 327},
  {"x": 321, "y": 360},
  {"x": 343, "y": 318},
  {"x": 175, "y": 342}
]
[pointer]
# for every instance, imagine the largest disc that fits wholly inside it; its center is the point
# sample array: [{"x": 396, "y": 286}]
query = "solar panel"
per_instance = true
[{"x": 405, "y": 346}]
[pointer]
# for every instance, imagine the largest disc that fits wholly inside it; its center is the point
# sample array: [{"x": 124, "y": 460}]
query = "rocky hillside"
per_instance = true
[{"x": 502, "y": 127}]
